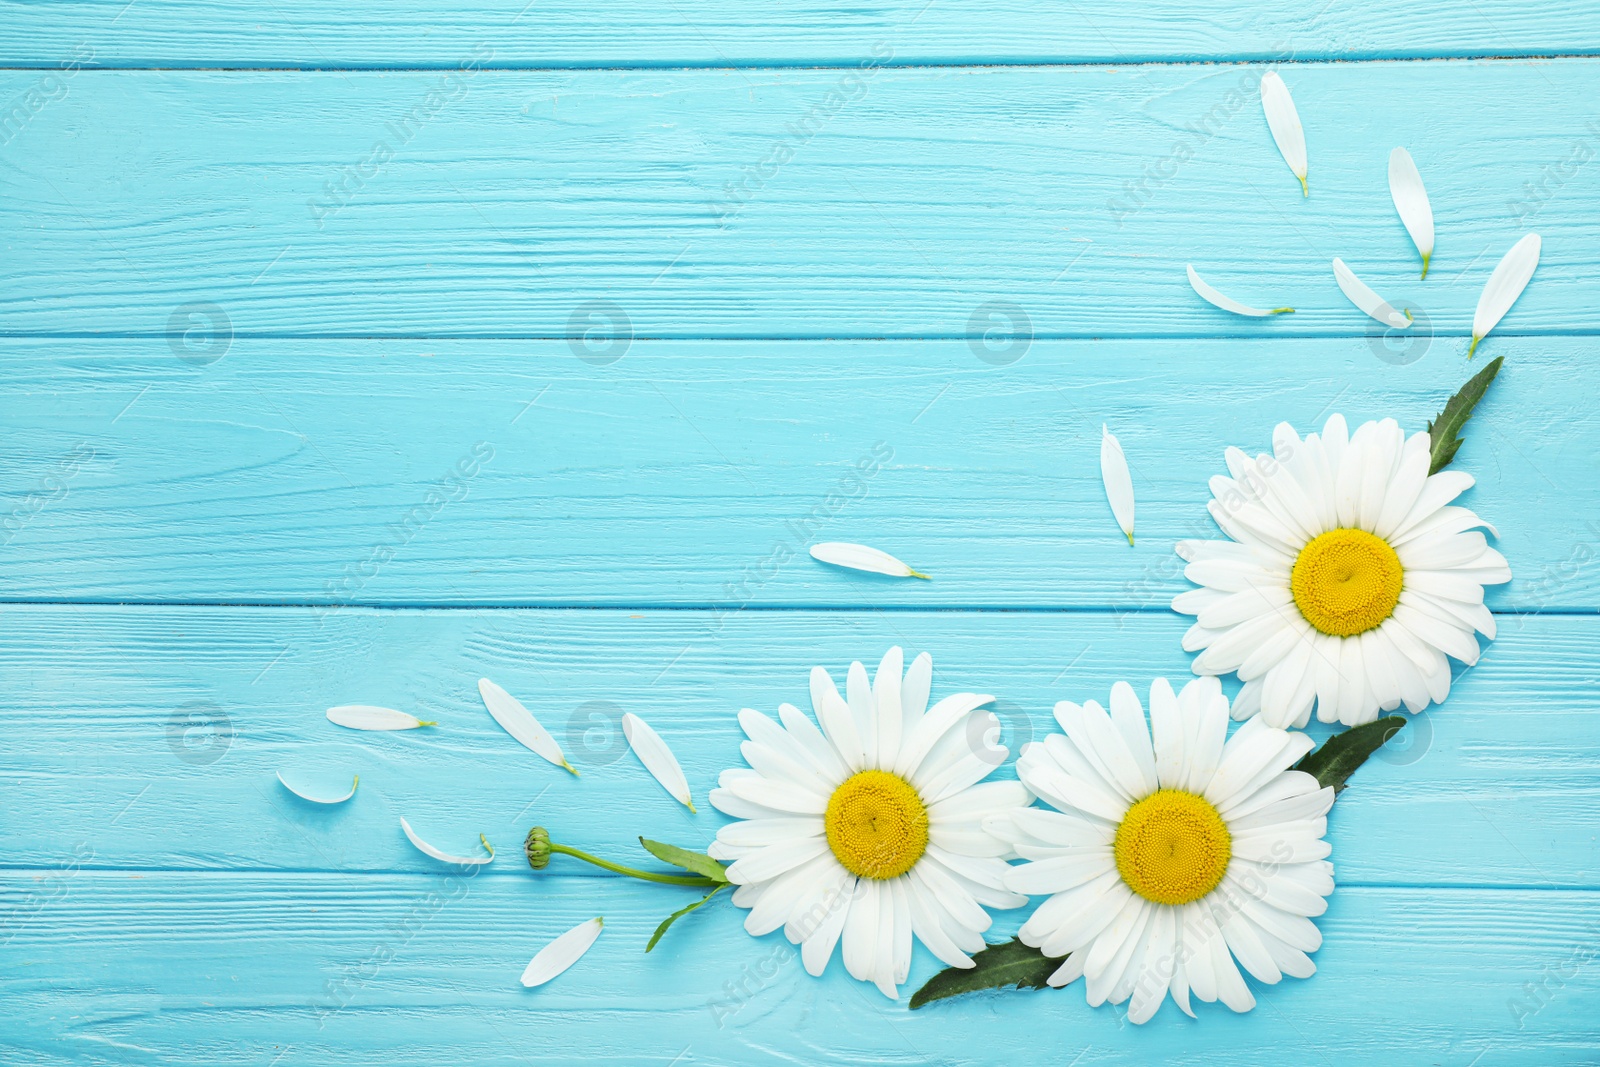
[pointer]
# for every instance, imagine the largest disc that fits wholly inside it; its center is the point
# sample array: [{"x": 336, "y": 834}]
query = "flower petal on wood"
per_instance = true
[
  {"x": 355, "y": 781},
  {"x": 862, "y": 558},
  {"x": 1284, "y": 122},
  {"x": 1228, "y": 303},
  {"x": 428, "y": 850},
  {"x": 1510, "y": 277},
  {"x": 561, "y": 953},
  {"x": 519, "y": 722},
  {"x": 656, "y": 757},
  {"x": 1362, "y": 296},
  {"x": 368, "y": 717},
  {"x": 1119, "y": 483},
  {"x": 1411, "y": 201}
]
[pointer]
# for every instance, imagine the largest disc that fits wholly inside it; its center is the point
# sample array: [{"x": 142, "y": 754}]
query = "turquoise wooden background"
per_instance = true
[{"x": 289, "y": 419}]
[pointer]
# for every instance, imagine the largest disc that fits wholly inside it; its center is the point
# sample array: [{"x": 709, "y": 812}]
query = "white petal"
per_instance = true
[
  {"x": 656, "y": 757},
  {"x": 1284, "y": 122},
  {"x": 519, "y": 722},
  {"x": 367, "y": 717},
  {"x": 1510, "y": 277},
  {"x": 1227, "y": 303},
  {"x": 561, "y": 953},
  {"x": 428, "y": 850},
  {"x": 862, "y": 558},
  {"x": 1364, "y": 298},
  {"x": 355, "y": 781},
  {"x": 1411, "y": 201},
  {"x": 1119, "y": 483}
]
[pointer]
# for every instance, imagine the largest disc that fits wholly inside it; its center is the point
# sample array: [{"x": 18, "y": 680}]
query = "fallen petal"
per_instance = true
[
  {"x": 1284, "y": 122},
  {"x": 656, "y": 757},
  {"x": 1227, "y": 303},
  {"x": 862, "y": 558},
  {"x": 1119, "y": 483},
  {"x": 1510, "y": 277},
  {"x": 428, "y": 850},
  {"x": 519, "y": 722},
  {"x": 1362, "y": 296},
  {"x": 321, "y": 800},
  {"x": 367, "y": 717},
  {"x": 1411, "y": 201},
  {"x": 561, "y": 953}
]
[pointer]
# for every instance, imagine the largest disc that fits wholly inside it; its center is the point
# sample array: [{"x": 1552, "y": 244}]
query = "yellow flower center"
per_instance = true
[
  {"x": 877, "y": 825},
  {"x": 1172, "y": 847},
  {"x": 1345, "y": 582}
]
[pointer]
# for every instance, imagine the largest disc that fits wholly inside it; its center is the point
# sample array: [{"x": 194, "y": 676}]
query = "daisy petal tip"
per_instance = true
[
  {"x": 561, "y": 953},
  {"x": 370, "y": 717},
  {"x": 657, "y": 758},
  {"x": 862, "y": 558},
  {"x": 355, "y": 782},
  {"x": 1284, "y": 123},
  {"x": 1118, "y": 481},
  {"x": 442, "y": 856},
  {"x": 1511, "y": 276},
  {"x": 516, "y": 720},
  {"x": 1211, "y": 295},
  {"x": 1361, "y": 295}
]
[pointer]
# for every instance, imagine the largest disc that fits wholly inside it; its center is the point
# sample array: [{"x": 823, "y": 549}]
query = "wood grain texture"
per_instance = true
[
  {"x": 698, "y": 473},
  {"x": 884, "y": 202},
  {"x": 224, "y": 970},
  {"x": 564, "y": 33},
  {"x": 153, "y": 735}
]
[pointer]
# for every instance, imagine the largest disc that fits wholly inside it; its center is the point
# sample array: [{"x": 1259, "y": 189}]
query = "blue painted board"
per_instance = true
[
  {"x": 197, "y": 709},
  {"x": 697, "y": 473},
  {"x": 721, "y": 33},
  {"x": 918, "y": 202}
]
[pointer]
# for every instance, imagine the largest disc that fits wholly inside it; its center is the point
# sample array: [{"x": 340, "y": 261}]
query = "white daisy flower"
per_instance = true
[
  {"x": 870, "y": 830},
  {"x": 1350, "y": 579},
  {"x": 1167, "y": 862}
]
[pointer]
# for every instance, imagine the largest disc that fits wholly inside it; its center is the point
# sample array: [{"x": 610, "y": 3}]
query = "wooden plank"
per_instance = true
[
  {"x": 782, "y": 203},
  {"x": 214, "y": 970},
  {"x": 152, "y": 736},
  {"x": 697, "y": 473},
  {"x": 563, "y": 33}
]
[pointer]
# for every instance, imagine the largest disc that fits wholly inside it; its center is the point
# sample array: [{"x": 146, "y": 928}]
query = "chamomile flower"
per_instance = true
[
  {"x": 869, "y": 831},
  {"x": 1350, "y": 582},
  {"x": 1170, "y": 854}
]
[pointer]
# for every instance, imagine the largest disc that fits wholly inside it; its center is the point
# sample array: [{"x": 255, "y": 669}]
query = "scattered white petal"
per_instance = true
[
  {"x": 1510, "y": 277},
  {"x": 1284, "y": 122},
  {"x": 355, "y": 781},
  {"x": 1228, "y": 303},
  {"x": 519, "y": 722},
  {"x": 656, "y": 757},
  {"x": 367, "y": 717},
  {"x": 1119, "y": 483},
  {"x": 862, "y": 558},
  {"x": 429, "y": 850},
  {"x": 1362, "y": 296},
  {"x": 1411, "y": 201},
  {"x": 561, "y": 953}
]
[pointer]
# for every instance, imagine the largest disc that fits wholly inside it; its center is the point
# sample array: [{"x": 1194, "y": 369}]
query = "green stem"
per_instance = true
[{"x": 664, "y": 879}]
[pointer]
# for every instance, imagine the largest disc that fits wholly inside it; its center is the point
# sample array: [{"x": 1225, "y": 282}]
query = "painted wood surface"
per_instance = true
[
  {"x": 195, "y": 710},
  {"x": 697, "y": 474},
  {"x": 557, "y": 386},
  {"x": 784, "y": 203},
  {"x": 719, "y": 33}
]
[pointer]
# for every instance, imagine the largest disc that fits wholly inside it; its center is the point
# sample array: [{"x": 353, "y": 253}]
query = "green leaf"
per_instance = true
[
  {"x": 1008, "y": 964},
  {"x": 694, "y": 862},
  {"x": 1342, "y": 753},
  {"x": 675, "y": 916},
  {"x": 1444, "y": 431}
]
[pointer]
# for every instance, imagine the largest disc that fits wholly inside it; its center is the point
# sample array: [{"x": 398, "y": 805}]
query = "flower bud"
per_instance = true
[{"x": 537, "y": 846}]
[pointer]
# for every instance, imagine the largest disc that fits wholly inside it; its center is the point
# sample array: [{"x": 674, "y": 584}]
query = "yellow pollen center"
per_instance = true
[
  {"x": 877, "y": 825},
  {"x": 1345, "y": 582},
  {"x": 1172, "y": 847}
]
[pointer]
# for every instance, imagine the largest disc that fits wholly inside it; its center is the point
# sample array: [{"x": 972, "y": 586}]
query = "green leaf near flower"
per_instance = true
[
  {"x": 680, "y": 913},
  {"x": 693, "y": 862},
  {"x": 1340, "y": 755},
  {"x": 1444, "y": 431},
  {"x": 1008, "y": 964}
]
